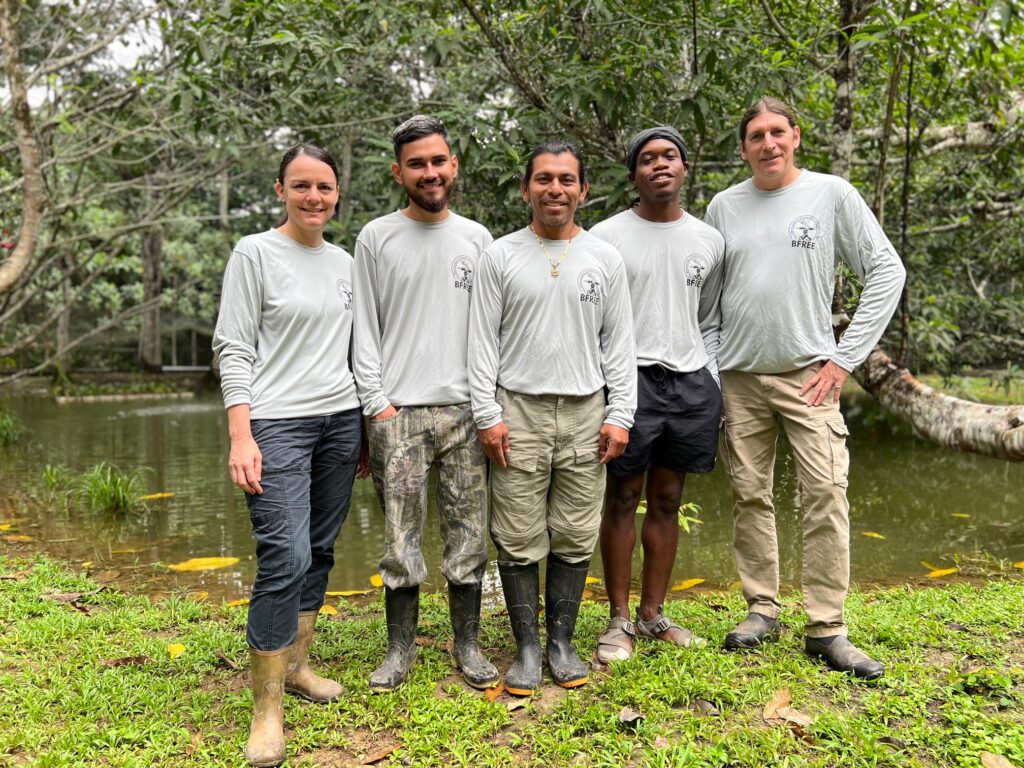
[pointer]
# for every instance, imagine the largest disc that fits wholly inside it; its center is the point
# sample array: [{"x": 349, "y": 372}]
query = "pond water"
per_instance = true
[{"x": 928, "y": 503}]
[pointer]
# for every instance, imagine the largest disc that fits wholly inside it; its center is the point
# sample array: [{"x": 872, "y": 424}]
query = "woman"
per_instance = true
[{"x": 293, "y": 416}]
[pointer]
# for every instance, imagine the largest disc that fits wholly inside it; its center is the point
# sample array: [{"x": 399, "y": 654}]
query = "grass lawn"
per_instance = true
[{"x": 91, "y": 676}]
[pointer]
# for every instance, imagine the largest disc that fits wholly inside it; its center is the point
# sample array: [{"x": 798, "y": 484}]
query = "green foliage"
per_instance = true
[
  {"x": 225, "y": 87},
  {"x": 11, "y": 428},
  {"x": 106, "y": 490}
]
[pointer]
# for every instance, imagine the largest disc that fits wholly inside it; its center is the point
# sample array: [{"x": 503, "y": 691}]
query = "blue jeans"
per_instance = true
[{"x": 308, "y": 468}]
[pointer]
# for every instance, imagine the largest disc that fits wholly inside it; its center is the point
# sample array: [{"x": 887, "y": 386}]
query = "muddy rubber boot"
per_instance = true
[
  {"x": 521, "y": 585},
  {"x": 562, "y": 595},
  {"x": 300, "y": 680},
  {"x": 464, "y": 606},
  {"x": 402, "y": 608},
  {"x": 265, "y": 747}
]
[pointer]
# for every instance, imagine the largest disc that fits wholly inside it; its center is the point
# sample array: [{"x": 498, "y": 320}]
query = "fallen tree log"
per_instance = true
[{"x": 991, "y": 430}]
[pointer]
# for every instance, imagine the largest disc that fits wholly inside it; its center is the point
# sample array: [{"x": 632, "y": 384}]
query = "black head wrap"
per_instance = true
[{"x": 666, "y": 132}]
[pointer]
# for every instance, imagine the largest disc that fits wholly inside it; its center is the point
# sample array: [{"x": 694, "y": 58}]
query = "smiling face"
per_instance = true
[
  {"x": 554, "y": 193},
  {"x": 660, "y": 171},
  {"x": 769, "y": 149},
  {"x": 309, "y": 191},
  {"x": 427, "y": 169}
]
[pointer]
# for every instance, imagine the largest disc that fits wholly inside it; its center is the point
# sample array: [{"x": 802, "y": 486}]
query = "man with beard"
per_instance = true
[
  {"x": 785, "y": 231},
  {"x": 413, "y": 278},
  {"x": 674, "y": 267},
  {"x": 550, "y": 331}
]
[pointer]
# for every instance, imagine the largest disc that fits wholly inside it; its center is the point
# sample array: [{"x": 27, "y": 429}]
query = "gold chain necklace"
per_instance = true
[{"x": 553, "y": 264}]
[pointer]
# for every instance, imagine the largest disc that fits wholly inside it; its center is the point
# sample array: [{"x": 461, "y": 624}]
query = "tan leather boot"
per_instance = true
[
  {"x": 300, "y": 679},
  {"x": 265, "y": 747}
]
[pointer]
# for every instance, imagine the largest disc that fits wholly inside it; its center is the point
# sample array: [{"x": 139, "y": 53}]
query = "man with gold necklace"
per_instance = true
[{"x": 551, "y": 331}]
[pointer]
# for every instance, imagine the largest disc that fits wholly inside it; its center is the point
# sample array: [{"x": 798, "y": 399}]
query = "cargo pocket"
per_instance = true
[
  {"x": 524, "y": 462},
  {"x": 589, "y": 474},
  {"x": 837, "y": 434}
]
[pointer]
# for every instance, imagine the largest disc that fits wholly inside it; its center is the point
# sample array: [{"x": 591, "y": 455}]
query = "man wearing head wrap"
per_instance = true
[{"x": 674, "y": 269}]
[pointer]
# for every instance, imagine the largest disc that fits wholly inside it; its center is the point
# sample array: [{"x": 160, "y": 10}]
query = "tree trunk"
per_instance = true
[
  {"x": 64, "y": 321},
  {"x": 33, "y": 197},
  {"x": 991, "y": 430},
  {"x": 150, "y": 346}
]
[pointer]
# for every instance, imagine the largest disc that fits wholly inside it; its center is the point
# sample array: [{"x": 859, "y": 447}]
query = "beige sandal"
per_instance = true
[
  {"x": 616, "y": 642},
  {"x": 661, "y": 624}
]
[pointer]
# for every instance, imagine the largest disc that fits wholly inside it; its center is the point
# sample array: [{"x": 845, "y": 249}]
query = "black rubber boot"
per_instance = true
[
  {"x": 402, "y": 608},
  {"x": 464, "y": 605},
  {"x": 521, "y": 584},
  {"x": 563, "y": 592}
]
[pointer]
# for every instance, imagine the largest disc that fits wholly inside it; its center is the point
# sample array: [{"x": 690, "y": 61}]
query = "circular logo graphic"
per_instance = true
[
  {"x": 589, "y": 283},
  {"x": 804, "y": 229},
  {"x": 696, "y": 267},
  {"x": 345, "y": 291},
  {"x": 462, "y": 271}
]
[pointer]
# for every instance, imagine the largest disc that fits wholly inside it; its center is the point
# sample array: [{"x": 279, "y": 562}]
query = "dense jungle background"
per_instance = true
[{"x": 139, "y": 140}]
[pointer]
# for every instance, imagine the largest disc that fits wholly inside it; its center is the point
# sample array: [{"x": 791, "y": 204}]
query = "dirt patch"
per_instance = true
[{"x": 367, "y": 748}]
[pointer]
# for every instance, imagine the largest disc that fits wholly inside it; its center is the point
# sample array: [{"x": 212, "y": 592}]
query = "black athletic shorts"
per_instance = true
[{"x": 676, "y": 423}]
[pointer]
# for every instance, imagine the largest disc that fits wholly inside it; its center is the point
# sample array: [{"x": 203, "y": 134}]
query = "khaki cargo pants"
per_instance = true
[
  {"x": 549, "y": 497},
  {"x": 754, "y": 407}
]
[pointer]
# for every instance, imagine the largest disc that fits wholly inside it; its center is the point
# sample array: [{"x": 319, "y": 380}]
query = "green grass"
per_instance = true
[
  {"x": 11, "y": 428},
  {"x": 998, "y": 387},
  {"x": 104, "y": 490},
  {"x": 94, "y": 684}
]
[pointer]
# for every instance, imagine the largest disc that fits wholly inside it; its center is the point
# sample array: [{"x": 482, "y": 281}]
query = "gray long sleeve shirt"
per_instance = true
[
  {"x": 675, "y": 273},
  {"x": 284, "y": 328},
  {"x": 781, "y": 251},
  {"x": 413, "y": 282},
  {"x": 543, "y": 335}
]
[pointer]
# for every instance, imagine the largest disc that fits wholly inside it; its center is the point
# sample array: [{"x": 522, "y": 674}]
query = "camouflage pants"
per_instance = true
[{"x": 403, "y": 448}]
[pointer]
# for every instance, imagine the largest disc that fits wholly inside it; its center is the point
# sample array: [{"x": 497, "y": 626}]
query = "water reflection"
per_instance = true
[{"x": 902, "y": 488}]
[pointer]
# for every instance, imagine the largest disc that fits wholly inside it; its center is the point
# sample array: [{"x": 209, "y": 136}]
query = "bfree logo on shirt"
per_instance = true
[
  {"x": 804, "y": 232},
  {"x": 462, "y": 271},
  {"x": 696, "y": 267},
  {"x": 589, "y": 283},
  {"x": 345, "y": 291}
]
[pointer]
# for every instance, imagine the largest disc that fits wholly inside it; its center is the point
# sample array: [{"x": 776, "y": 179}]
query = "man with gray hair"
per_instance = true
[
  {"x": 413, "y": 275},
  {"x": 674, "y": 269},
  {"x": 785, "y": 231}
]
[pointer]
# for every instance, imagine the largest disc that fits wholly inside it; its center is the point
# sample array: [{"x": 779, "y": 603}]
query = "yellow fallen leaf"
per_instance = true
[
  {"x": 236, "y": 603},
  {"x": 6, "y": 526},
  {"x": 593, "y": 580},
  {"x": 328, "y": 610},
  {"x": 682, "y": 585},
  {"x": 938, "y": 573},
  {"x": 199, "y": 595},
  {"x": 929, "y": 566},
  {"x": 86, "y": 563},
  {"x": 376, "y": 580},
  {"x": 873, "y": 535},
  {"x": 174, "y": 650},
  {"x": 348, "y": 592},
  {"x": 155, "y": 496},
  {"x": 16, "y": 537},
  {"x": 1019, "y": 565},
  {"x": 203, "y": 564},
  {"x": 959, "y": 514}
]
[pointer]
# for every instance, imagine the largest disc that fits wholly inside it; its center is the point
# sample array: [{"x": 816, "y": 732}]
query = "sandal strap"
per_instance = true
[
  {"x": 625, "y": 625},
  {"x": 656, "y": 626}
]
